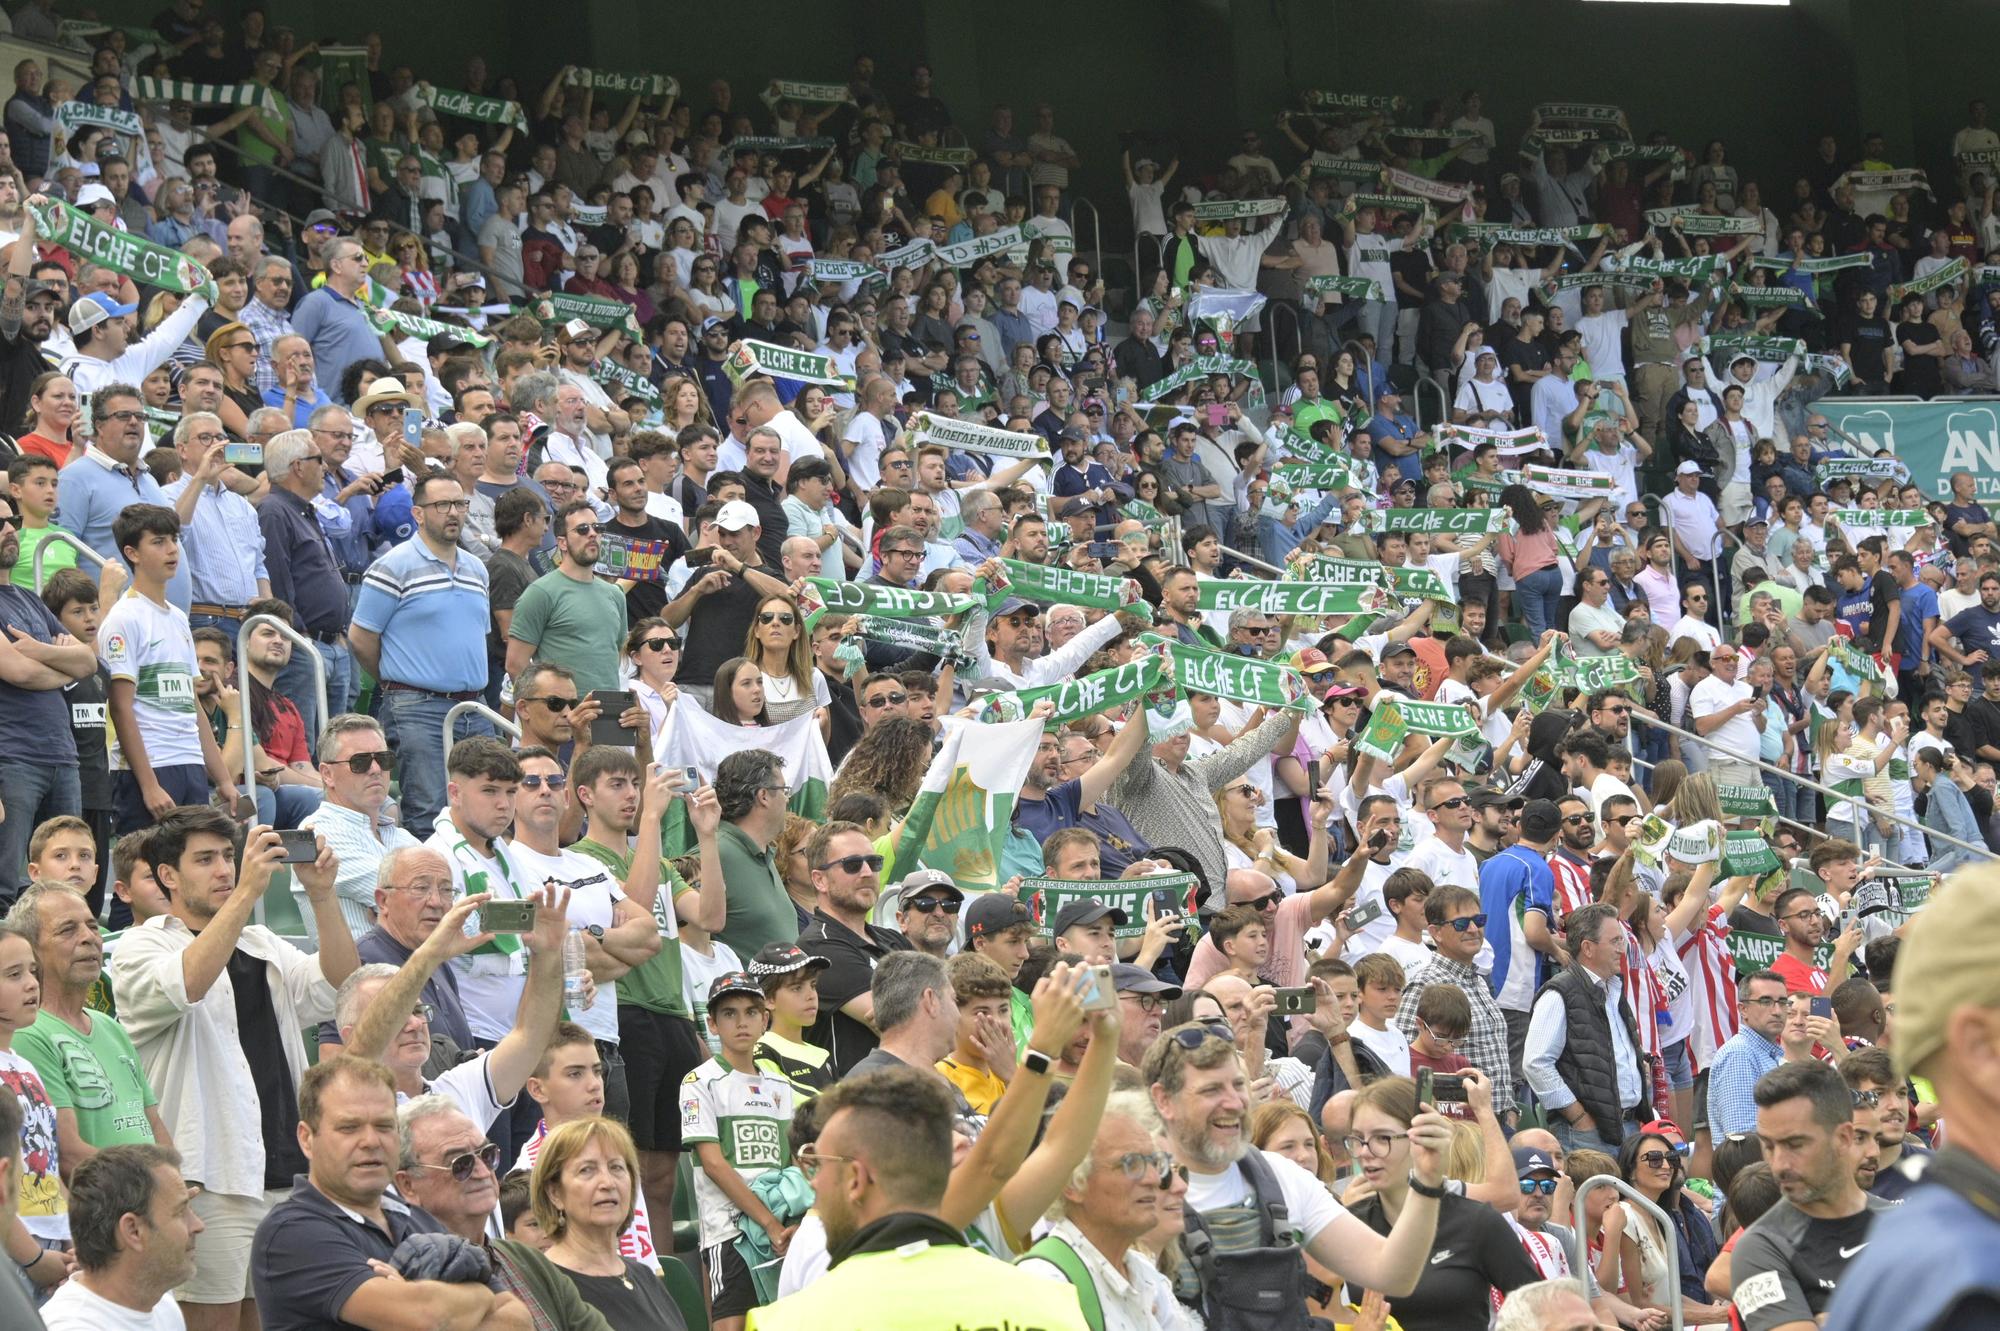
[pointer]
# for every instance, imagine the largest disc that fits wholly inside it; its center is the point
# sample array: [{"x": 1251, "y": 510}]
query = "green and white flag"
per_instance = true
[
  {"x": 1510, "y": 443},
  {"x": 1100, "y": 691},
  {"x": 824, "y": 596},
  {"x": 1832, "y": 263},
  {"x": 1355, "y": 288},
  {"x": 1704, "y": 224},
  {"x": 124, "y": 252},
  {"x": 203, "y": 94},
  {"x": 1458, "y": 521},
  {"x": 1489, "y": 234},
  {"x": 964, "y": 811},
  {"x": 1221, "y": 210},
  {"x": 1943, "y": 275},
  {"x": 72, "y": 114},
  {"x": 1862, "y": 469},
  {"x": 919, "y": 154},
  {"x": 1569, "y": 483},
  {"x": 1303, "y": 475},
  {"x": 1755, "y": 952},
  {"x": 986, "y": 440},
  {"x": 750, "y": 357},
  {"x": 1322, "y": 100},
  {"x": 1059, "y": 585},
  {"x": 613, "y": 80},
  {"x": 600, "y": 312},
  {"x": 1227, "y": 675},
  {"x": 1356, "y": 170},
  {"x": 467, "y": 106},
  {"x": 1746, "y": 801},
  {"x": 1292, "y": 598},
  {"x": 623, "y": 383},
  {"x": 1843, "y": 653},
  {"x": 1748, "y": 853},
  {"x": 1769, "y": 298},
  {"x": 1591, "y": 673},
  {"x": 815, "y": 94},
  {"x": 1045, "y": 897},
  {"x": 388, "y": 320},
  {"x": 694, "y": 738},
  {"x": 1881, "y": 518},
  {"x": 1395, "y": 720}
]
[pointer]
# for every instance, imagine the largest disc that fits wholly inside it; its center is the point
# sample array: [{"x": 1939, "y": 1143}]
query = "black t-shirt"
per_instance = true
[
  {"x": 1414, "y": 267},
  {"x": 1474, "y": 1251},
  {"x": 1867, "y": 340},
  {"x": 715, "y": 630},
  {"x": 850, "y": 971},
  {"x": 1922, "y": 375},
  {"x": 647, "y": 599},
  {"x": 1966, "y": 731},
  {"x": 1516, "y": 354},
  {"x": 1955, "y": 513},
  {"x": 1787, "y": 1266},
  {"x": 270, "y": 1073},
  {"x": 87, "y": 699},
  {"x": 1882, "y": 593}
]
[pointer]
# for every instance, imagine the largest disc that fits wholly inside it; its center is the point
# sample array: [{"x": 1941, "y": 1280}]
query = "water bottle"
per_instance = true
[{"x": 573, "y": 969}]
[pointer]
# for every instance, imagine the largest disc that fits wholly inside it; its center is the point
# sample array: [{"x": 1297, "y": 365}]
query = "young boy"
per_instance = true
[
  {"x": 736, "y": 1117},
  {"x": 1000, "y": 928},
  {"x": 63, "y": 850},
  {"x": 790, "y": 977},
  {"x": 75, "y": 602},
  {"x": 981, "y": 1061},
  {"x": 31, "y": 480},
  {"x": 517, "y": 1216},
  {"x": 1239, "y": 934},
  {"x": 569, "y": 1084},
  {"x": 166, "y": 755},
  {"x": 1380, "y": 980},
  {"x": 1444, "y": 1016},
  {"x": 137, "y": 897},
  {"x": 704, "y": 959}
]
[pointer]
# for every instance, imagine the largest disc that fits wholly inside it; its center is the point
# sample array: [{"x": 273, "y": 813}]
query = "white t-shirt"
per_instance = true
[
  {"x": 1369, "y": 256},
  {"x": 151, "y": 645},
  {"x": 594, "y": 896},
  {"x": 1694, "y": 626},
  {"x": 1622, "y": 465},
  {"x": 1444, "y": 865},
  {"x": 747, "y": 1115},
  {"x": 1387, "y": 1044},
  {"x": 1308, "y": 1205},
  {"x": 1606, "y": 786},
  {"x": 1600, "y": 343},
  {"x": 1735, "y": 738},
  {"x": 74, "y": 1308},
  {"x": 698, "y": 971},
  {"x": 469, "y": 1086},
  {"x": 864, "y": 462},
  {"x": 1695, "y": 520},
  {"x": 1410, "y": 956}
]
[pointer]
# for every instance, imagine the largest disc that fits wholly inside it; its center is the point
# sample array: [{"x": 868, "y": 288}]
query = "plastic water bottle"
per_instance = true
[{"x": 573, "y": 969}]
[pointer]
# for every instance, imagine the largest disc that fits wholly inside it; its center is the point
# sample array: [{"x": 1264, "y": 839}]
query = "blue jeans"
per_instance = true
[
  {"x": 419, "y": 729},
  {"x": 1538, "y": 600},
  {"x": 1794, "y": 800},
  {"x": 286, "y": 806},
  {"x": 31, "y": 793},
  {"x": 295, "y": 682}
]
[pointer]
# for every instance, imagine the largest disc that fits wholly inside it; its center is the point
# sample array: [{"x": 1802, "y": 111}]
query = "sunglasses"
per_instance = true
[
  {"x": 1455, "y": 802},
  {"x": 889, "y": 700},
  {"x": 855, "y": 863},
  {"x": 1192, "y": 1038},
  {"x": 1545, "y": 1186},
  {"x": 554, "y": 781},
  {"x": 925, "y": 905},
  {"x": 1466, "y": 923},
  {"x": 362, "y": 763},
  {"x": 462, "y": 1164},
  {"x": 1268, "y": 902},
  {"x": 554, "y": 704},
  {"x": 785, "y": 617},
  {"x": 1576, "y": 820},
  {"x": 1660, "y": 1159},
  {"x": 660, "y": 644}
]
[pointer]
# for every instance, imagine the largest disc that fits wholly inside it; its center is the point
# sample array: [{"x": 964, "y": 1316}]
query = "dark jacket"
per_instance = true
[{"x": 1585, "y": 1064}]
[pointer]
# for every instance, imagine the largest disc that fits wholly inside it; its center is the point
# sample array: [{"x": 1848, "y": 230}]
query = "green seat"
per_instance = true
[
  {"x": 684, "y": 1288},
  {"x": 282, "y": 913},
  {"x": 1514, "y": 631},
  {"x": 687, "y": 1226}
]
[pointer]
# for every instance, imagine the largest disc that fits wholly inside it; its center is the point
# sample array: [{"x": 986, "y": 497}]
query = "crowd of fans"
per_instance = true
[{"x": 496, "y": 574}]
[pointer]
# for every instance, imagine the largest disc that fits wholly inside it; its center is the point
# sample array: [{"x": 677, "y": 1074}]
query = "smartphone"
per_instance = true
[
  {"x": 1103, "y": 549},
  {"x": 1363, "y": 916},
  {"x": 1312, "y": 781},
  {"x": 1217, "y": 414},
  {"x": 300, "y": 845},
  {"x": 699, "y": 556},
  {"x": 1426, "y": 1089},
  {"x": 1164, "y": 904},
  {"x": 391, "y": 478},
  {"x": 1821, "y": 1006},
  {"x": 1297, "y": 1002},
  {"x": 1103, "y": 995},
  {"x": 413, "y": 426},
  {"x": 1379, "y": 840},
  {"x": 243, "y": 455},
  {"x": 1448, "y": 1088},
  {"x": 605, "y": 727},
  {"x": 506, "y": 917}
]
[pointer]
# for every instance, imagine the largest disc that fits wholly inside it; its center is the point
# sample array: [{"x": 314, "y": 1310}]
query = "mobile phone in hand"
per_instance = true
[
  {"x": 605, "y": 727},
  {"x": 1426, "y": 1089},
  {"x": 1299, "y": 1002},
  {"x": 506, "y": 917},
  {"x": 1821, "y": 1006},
  {"x": 301, "y": 847}
]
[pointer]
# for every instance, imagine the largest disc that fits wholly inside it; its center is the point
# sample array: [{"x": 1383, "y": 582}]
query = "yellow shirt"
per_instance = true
[{"x": 981, "y": 1088}]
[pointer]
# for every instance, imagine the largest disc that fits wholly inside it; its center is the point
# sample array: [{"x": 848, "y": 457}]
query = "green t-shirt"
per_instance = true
[
  {"x": 61, "y": 555},
  {"x": 760, "y": 910},
  {"x": 96, "y": 1075},
  {"x": 252, "y": 149},
  {"x": 656, "y": 984},
  {"x": 576, "y": 624}
]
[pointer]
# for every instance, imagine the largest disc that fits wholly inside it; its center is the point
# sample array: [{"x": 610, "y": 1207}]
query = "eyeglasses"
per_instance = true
[
  {"x": 126, "y": 416},
  {"x": 812, "y": 1160},
  {"x": 926, "y": 905},
  {"x": 1868, "y": 1099},
  {"x": 1139, "y": 1166},
  {"x": 554, "y": 781},
  {"x": 461, "y": 1165},
  {"x": 338, "y": 436},
  {"x": 1442, "y": 1041},
  {"x": 1545, "y": 1186},
  {"x": 1464, "y": 923},
  {"x": 584, "y": 529},
  {"x": 1192, "y": 1038},
  {"x": 1375, "y": 1143},
  {"x": 1659, "y": 1159},
  {"x": 553, "y": 704},
  {"x": 423, "y": 1011},
  {"x": 855, "y": 864},
  {"x": 660, "y": 644},
  {"x": 1144, "y": 1002},
  {"x": 905, "y": 553},
  {"x": 445, "y": 505},
  {"x": 421, "y": 888},
  {"x": 1782, "y": 1004},
  {"x": 10, "y": 520},
  {"x": 362, "y": 763},
  {"x": 1455, "y": 802},
  {"x": 1267, "y": 902},
  {"x": 241, "y": 346},
  {"x": 785, "y": 617}
]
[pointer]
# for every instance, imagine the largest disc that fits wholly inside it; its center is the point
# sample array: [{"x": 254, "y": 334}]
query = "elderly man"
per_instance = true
[
  {"x": 433, "y": 1138},
  {"x": 108, "y": 478},
  {"x": 334, "y": 318},
  {"x": 220, "y": 536},
  {"x": 354, "y": 765},
  {"x": 1583, "y": 1055},
  {"x": 267, "y": 315},
  {"x": 304, "y": 571},
  {"x": 127, "y": 1272},
  {"x": 294, "y": 387}
]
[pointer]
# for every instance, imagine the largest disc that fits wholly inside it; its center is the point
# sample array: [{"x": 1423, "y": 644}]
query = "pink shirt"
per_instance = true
[{"x": 1287, "y": 967}]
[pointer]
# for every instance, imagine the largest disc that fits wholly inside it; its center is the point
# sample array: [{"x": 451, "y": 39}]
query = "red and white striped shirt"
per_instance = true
[
  {"x": 1642, "y": 991},
  {"x": 1705, "y": 953},
  {"x": 1572, "y": 884}
]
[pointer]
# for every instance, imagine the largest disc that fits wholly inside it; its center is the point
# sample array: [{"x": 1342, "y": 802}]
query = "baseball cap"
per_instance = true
[
  {"x": 1072, "y": 433},
  {"x": 1757, "y": 520},
  {"x": 1540, "y": 820},
  {"x": 1486, "y": 797},
  {"x": 94, "y": 309},
  {"x": 1398, "y": 649},
  {"x": 1085, "y": 910},
  {"x": 1014, "y": 603},
  {"x": 321, "y": 217},
  {"x": 994, "y": 913},
  {"x": 785, "y": 958},
  {"x": 1688, "y": 468},
  {"x": 1346, "y": 691},
  {"x": 1129, "y": 979},
  {"x": 1313, "y": 661},
  {"x": 39, "y": 288},
  {"x": 926, "y": 879},
  {"x": 93, "y": 194},
  {"x": 1951, "y": 944},
  {"x": 1529, "y": 1159},
  {"x": 712, "y": 322},
  {"x": 736, "y": 515},
  {"x": 733, "y": 982}
]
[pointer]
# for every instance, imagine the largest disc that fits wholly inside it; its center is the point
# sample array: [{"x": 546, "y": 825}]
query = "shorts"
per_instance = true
[
  {"x": 1679, "y": 1067},
  {"x": 222, "y": 1249},
  {"x": 660, "y": 1050},
  {"x": 731, "y": 1291}
]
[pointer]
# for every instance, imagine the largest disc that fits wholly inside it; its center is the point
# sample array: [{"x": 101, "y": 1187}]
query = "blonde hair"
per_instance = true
[
  {"x": 565, "y": 1144},
  {"x": 1268, "y": 1119},
  {"x": 1465, "y": 1157}
]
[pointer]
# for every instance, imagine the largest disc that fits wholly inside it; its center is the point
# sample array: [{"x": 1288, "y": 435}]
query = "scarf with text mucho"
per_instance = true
[
  {"x": 1704, "y": 224},
  {"x": 1511, "y": 443},
  {"x": 203, "y": 94},
  {"x": 1909, "y": 177},
  {"x": 612, "y": 80},
  {"x": 466, "y": 106}
]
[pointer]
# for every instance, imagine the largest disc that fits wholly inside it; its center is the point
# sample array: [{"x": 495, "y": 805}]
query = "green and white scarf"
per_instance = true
[
  {"x": 1866, "y": 469},
  {"x": 1623, "y": 281},
  {"x": 1569, "y": 484},
  {"x": 387, "y": 320},
  {"x": 772, "y": 143},
  {"x": 1420, "y": 584},
  {"x": 1762, "y": 346},
  {"x": 204, "y": 94},
  {"x": 823, "y": 596},
  {"x": 1047, "y": 896},
  {"x": 1322, "y": 100},
  {"x": 1220, "y": 210},
  {"x": 72, "y": 114},
  {"x": 1695, "y": 271},
  {"x": 1101, "y": 691},
  {"x": 1355, "y": 288},
  {"x": 600, "y": 312},
  {"x": 1341, "y": 572},
  {"x": 1704, "y": 224},
  {"x": 1395, "y": 720},
  {"x": 1511, "y": 443},
  {"x": 844, "y": 270},
  {"x": 1489, "y": 234},
  {"x": 969, "y": 252},
  {"x": 1390, "y": 203},
  {"x": 925, "y": 156},
  {"x": 986, "y": 440},
  {"x": 1832, "y": 263},
  {"x": 466, "y": 106},
  {"x": 1200, "y": 368},
  {"x": 750, "y": 357},
  {"x": 612, "y": 80},
  {"x": 1579, "y": 113},
  {"x": 1458, "y": 521},
  {"x": 124, "y": 252},
  {"x": 1591, "y": 673},
  {"x": 1292, "y": 598},
  {"x": 815, "y": 94},
  {"x": 1870, "y": 182},
  {"x": 1745, "y": 801},
  {"x": 1237, "y": 678},
  {"x": 1424, "y": 187},
  {"x": 1058, "y": 585},
  {"x": 1883, "y": 518},
  {"x": 1826, "y": 363},
  {"x": 1943, "y": 275},
  {"x": 1356, "y": 169},
  {"x": 1771, "y": 298},
  {"x": 917, "y": 635},
  {"x": 1336, "y": 474},
  {"x": 623, "y": 382}
]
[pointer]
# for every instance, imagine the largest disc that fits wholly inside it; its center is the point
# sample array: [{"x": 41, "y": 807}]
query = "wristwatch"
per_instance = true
[
  {"x": 1423, "y": 1189},
  {"x": 595, "y": 931},
  {"x": 1037, "y": 1062}
]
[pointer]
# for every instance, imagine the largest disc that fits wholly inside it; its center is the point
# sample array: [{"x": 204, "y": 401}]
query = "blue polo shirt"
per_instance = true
[
  {"x": 1920, "y": 602},
  {"x": 90, "y": 494},
  {"x": 432, "y": 619},
  {"x": 311, "y": 1254},
  {"x": 340, "y": 335},
  {"x": 1511, "y": 884}
]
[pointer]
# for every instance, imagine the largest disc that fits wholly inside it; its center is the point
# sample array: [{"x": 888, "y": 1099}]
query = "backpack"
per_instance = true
[
  {"x": 1262, "y": 1288},
  {"x": 1057, "y": 1253}
]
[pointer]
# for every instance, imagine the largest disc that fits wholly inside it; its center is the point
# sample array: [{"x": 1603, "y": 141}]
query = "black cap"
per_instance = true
[
  {"x": 1401, "y": 648},
  {"x": 1486, "y": 797},
  {"x": 1085, "y": 910},
  {"x": 1541, "y": 820},
  {"x": 994, "y": 913},
  {"x": 734, "y": 982},
  {"x": 1074, "y": 435},
  {"x": 783, "y": 959}
]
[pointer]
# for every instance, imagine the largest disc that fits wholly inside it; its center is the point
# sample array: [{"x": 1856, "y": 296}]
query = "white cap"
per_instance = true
[
  {"x": 737, "y": 515},
  {"x": 1687, "y": 468},
  {"x": 93, "y": 194}
]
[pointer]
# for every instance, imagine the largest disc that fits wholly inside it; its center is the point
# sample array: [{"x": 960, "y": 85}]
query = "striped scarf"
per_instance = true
[{"x": 204, "y": 94}]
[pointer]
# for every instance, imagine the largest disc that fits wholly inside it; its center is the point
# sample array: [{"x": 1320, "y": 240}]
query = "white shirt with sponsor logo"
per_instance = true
[
  {"x": 594, "y": 896},
  {"x": 749, "y": 1115}
]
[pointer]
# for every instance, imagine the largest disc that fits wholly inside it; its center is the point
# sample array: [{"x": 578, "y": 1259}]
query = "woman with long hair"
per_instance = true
[
  {"x": 626, "y": 279},
  {"x": 1635, "y": 1249},
  {"x": 1282, "y": 1128},
  {"x": 1693, "y": 801},
  {"x": 739, "y": 693},
  {"x": 413, "y": 261},
  {"x": 705, "y": 290},
  {"x": 933, "y": 322},
  {"x": 890, "y": 760},
  {"x": 683, "y": 404},
  {"x": 653, "y": 650},
  {"x": 1245, "y": 845},
  {"x": 52, "y": 411},
  {"x": 776, "y": 645},
  {"x": 1342, "y": 384},
  {"x": 232, "y": 348},
  {"x": 1846, "y": 762},
  {"x": 1530, "y": 557}
]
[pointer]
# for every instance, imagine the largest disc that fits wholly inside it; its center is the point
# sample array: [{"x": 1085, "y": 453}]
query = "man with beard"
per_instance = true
[
  {"x": 630, "y": 521},
  {"x": 1496, "y": 819},
  {"x": 126, "y": 1274},
  {"x": 1804, "y": 924},
  {"x": 569, "y": 615},
  {"x": 845, "y": 873},
  {"x": 27, "y": 319},
  {"x": 1569, "y": 859},
  {"x": 927, "y": 907},
  {"x": 1786, "y": 1268}
]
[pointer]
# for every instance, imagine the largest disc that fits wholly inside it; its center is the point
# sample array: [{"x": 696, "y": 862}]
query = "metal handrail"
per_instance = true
[
  {"x": 1444, "y": 401},
  {"x": 1274, "y": 307},
  {"x": 1139, "y": 239},
  {"x": 1367, "y": 374},
  {"x": 1253, "y": 561},
  {"x": 459, "y": 709},
  {"x": 1096, "y": 233},
  {"x": 1580, "y": 1226},
  {"x": 58, "y": 535}
]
